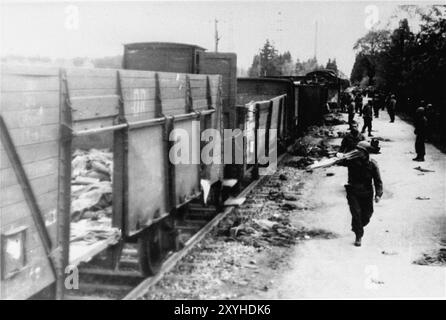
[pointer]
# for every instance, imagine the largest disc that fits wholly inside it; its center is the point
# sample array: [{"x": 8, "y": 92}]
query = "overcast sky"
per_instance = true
[{"x": 50, "y": 29}]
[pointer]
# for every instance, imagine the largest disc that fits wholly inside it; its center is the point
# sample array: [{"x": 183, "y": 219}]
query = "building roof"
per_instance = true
[{"x": 144, "y": 45}]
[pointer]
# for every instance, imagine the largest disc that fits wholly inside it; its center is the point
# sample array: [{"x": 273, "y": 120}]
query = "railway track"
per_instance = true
[{"x": 97, "y": 282}]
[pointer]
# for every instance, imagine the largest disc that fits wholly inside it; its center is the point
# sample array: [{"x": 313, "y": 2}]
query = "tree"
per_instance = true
[
  {"x": 254, "y": 70},
  {"x": 268, "y": 62},
  {"x": 411, "y": 65},
  {"x": 302, "y": 68},
  {"x": 285, "y": 61},
  {"x": 331, "y": 64},
  {"x": 370, "y": 50}
]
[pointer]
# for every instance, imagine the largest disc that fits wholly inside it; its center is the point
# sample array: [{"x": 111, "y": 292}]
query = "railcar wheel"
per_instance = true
[
  {"x": 150, "y": 250},
  {"x": 170, "y": 235},
  {"x": 217, "y": 196}
]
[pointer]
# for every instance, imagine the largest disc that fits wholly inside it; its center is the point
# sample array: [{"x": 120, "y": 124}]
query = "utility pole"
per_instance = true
[
  {"x": 315, "y": 41},
  {"x": 217, "y": 38}
]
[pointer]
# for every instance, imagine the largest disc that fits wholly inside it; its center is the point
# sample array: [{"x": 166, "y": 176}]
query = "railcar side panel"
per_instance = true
[{"x": 29, "y": 108}]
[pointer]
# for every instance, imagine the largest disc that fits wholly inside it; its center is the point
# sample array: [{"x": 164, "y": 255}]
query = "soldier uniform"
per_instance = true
[
  {"x": 367, "y": 114},
  {"x": 363, "y": 173},
  {"x": 420, "y": 131},
  {"x": 351, "y": 139}
]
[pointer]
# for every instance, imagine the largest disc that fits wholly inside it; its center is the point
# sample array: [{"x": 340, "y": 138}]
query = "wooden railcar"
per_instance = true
[{"x": 45, "y": 113}]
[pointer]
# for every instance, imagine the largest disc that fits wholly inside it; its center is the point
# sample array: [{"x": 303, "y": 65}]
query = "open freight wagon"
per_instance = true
[
  {"x": 258, "y": 89},
  {"x": 47, "y": 114},
  {"x": 257, "y": 127}
]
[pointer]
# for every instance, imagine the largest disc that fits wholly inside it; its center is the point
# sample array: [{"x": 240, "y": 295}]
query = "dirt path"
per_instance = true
[{"x": 401, "y": 230}]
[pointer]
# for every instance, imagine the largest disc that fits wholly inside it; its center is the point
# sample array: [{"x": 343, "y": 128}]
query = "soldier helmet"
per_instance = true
[
  {"x": 420, "y": 110},
  {"x": 364, "y": 146}
]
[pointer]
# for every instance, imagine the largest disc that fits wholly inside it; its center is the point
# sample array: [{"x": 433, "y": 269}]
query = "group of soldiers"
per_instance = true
[
  {"x": 379, "y": 101},
  {"x": 355, "y": 105}
]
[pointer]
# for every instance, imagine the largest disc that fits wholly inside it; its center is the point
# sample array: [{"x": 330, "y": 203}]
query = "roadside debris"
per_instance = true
[
  {"x": 300, "y": 162},
  {"x": 315, "y": 143},
  {"x": 383, "y": 139},
  {"x": 334, "y": 119},
  {"x": 377, "y": 281},
  {"x": 389, "y": 253},
  {"x": 276, "y": 230},
  {"x": 435, "y": 258},
  {"x": 423, "y": 170}
]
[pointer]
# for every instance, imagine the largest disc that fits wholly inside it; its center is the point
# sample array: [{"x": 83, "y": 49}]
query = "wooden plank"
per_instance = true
[
  {"x": 94, "y": 107},
  {"x": 90, "y": 92},
  {"x": 198, "y": 77},
  {"x": 41, "y": 185},
  {"x": 92, "y": 124},
  {"x": 28, "y": 136},
  {"x": 136, "y": 74},
  {"x": 21, "y": 83},
  {"x": 140, "y": 116},
  {"x": 143, "y": 93},
  {"x": 33, "y": 170},
  {"x": 31, "y": 153},
  {"x": 172, "y": 93},
  {"x": 172, "y": 103},
  {"x": 22, "y": 100},
  {"x": 13, "y": 213},
  {"x": 16, "y": 211},
  {"x": 200, "y": 103},
  {"x": 31, "y": 117},
  {"x": 199, "y": 91},
  {"x": 129, "y": 83},
  {"x": 175, "y": 76},
  {"x": 86, "y": 82},
  {"x": 139, "y": 106}
]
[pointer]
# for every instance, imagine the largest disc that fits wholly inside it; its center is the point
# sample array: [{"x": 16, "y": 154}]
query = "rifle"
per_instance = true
[{"x": 332, "y": 161}]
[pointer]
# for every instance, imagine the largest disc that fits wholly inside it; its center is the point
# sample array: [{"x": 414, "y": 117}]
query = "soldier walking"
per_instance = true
[
  {"x": 363, "y": 174},
  {"x": 420, "y": 132},
  {"x": 376, "y": 104},
  {"x": 358, "y": 103},
  {"x": 391, "y": 108},
  {"x": 351, "y": 113},
  {"x": 367, "y": 114}
]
